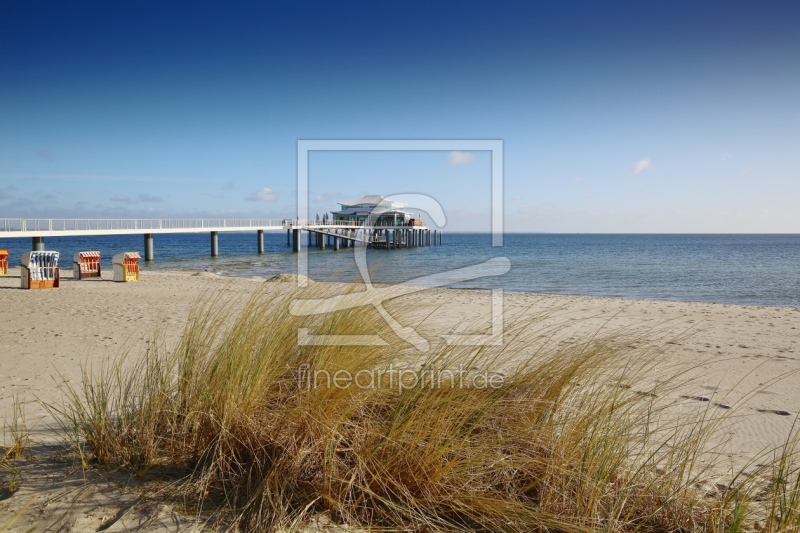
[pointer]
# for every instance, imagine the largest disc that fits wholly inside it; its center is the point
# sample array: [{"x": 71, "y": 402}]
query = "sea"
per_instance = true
[{"x": 736, "y": 269}]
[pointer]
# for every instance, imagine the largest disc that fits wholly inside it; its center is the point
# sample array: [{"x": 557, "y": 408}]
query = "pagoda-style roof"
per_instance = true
[
  {"x": 370, "y": 211},
  {"x": 373, "y": 199}
]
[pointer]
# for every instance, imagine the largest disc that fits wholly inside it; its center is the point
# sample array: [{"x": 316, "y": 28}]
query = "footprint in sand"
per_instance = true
[
  {"x": 639, "y": 392},
  {"x": 774, "y": 412},
  {"x": 704, "y": 399}
]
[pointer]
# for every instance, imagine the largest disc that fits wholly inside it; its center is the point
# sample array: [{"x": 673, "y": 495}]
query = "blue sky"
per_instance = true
[{"x": 615, "y": 116}]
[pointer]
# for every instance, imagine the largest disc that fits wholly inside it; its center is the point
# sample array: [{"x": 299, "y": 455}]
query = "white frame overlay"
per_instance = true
[{"x": 494, "y": 146}]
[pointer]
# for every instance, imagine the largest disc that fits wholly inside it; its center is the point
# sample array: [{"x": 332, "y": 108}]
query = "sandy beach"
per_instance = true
[{"x": 742, "y": 357}]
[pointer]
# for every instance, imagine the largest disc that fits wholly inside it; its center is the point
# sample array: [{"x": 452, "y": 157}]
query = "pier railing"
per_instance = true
[
  {"x": 97, "y": 224},
  {"x": 21, "y": 227},
  {"x": 304, "y": 223}
]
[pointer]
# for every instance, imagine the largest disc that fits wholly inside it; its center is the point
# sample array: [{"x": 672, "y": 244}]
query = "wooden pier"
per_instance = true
[{"x": 334, "y": 234}]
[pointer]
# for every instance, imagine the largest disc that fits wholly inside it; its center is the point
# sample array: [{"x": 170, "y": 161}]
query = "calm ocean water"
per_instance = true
[{"x": 744, "y": 269}]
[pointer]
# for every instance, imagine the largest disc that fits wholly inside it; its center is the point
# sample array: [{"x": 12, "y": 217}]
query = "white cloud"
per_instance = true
[
  {"x": 725, "y": 155},
  {"x": 457, "y": 158},
  {"x": 262, "y": 195},
  {"x": 148, "y": 198},
  {"x": 121, "y": 198},
  {"x": 640, "y": 165}
]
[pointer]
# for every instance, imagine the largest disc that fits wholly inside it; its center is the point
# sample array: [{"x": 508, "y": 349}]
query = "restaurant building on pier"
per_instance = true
[{"x": 379, "y": 210}]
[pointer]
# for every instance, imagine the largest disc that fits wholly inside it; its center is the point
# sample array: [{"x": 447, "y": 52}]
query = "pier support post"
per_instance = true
[
  {"x": 148, "y": 247},
  {"x": 322, "y": 239},
  {"x": 434, "y": 237},
  {"x": 295, "y": 240},
  {"x": 214, "y": 244},
  {"x": 37, "y": 244},
  {"x": 310, "y": 238},
  {"x": 260, "y": 239},
  {"x": 440, "y": 237},
  {"x": 336, "y": 241},
  {"x": 288, "y": 237},
  {"x": 427, "y": 237}
]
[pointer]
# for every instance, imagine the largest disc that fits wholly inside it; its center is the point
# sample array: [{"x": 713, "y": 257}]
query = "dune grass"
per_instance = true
[
  {"x": 16, "y": 444},
  {"x": 557, "y": 442}
]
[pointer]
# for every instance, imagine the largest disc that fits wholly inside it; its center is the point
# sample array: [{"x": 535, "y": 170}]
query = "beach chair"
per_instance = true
[
  {"x": 126, "y": 266},
  {"x": 39, "y": 270},
  {"x": 86, "y": 265},
  {"x": 3, "y": 262}
]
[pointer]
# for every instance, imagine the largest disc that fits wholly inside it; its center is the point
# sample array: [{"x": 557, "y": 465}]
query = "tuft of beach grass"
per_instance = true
[{"x": 556, "y": 442}]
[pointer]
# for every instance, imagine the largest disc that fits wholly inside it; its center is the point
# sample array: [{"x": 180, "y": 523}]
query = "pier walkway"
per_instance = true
[{"x": 335, "y": 234}]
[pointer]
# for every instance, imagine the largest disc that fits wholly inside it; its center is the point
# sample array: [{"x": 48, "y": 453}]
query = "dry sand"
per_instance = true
[{"x": 746, "y": 357}]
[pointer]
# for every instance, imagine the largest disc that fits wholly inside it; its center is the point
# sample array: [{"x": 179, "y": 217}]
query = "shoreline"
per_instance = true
[
  {"x": 725, "y": 269},
  {"x": 520, "y": 291}
]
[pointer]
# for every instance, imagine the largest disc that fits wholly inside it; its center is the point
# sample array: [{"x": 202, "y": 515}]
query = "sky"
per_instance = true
[{"x": 630, "y": 117}]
